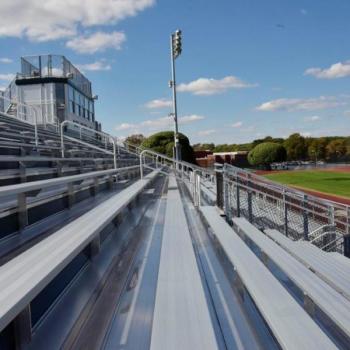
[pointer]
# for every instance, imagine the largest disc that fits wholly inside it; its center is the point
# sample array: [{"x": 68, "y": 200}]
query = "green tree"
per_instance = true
[
  {"x": 163, "y": 142},
  {"x": 336, "y": 149},
  {"x": 135, "y": 139},
  {"x": 296, "y": 147},
  {"x": 317, "y": 148},
  {"x": 266, "y": 153}
]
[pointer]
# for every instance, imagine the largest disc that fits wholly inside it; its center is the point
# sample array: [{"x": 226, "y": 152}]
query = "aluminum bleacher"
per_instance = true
[
  {"x": 47, "y": 259},
  {"x": 315, "y": 292},
  {"x": 107, "y": 246},
  {"x": 321, "y": 263},
  {"x": 292, "y": 327}
]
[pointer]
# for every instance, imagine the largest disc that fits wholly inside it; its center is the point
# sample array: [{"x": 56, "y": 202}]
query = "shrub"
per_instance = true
[
  {"x": 266, "y": 153},
  {"x": 163, "y": 142}
]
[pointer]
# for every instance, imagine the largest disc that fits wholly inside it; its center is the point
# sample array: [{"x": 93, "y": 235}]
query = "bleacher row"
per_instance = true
[{"x": 22, "y": 160}]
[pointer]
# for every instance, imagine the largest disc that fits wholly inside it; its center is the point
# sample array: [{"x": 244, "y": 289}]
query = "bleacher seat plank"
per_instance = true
[
  {"x": 181, "y": 317},
  {"x": 23, "y": 277},
  {"x": 330, "y": 270},
  {"x": 333, "y": 304},
  {"x": 291, "y": 325}
]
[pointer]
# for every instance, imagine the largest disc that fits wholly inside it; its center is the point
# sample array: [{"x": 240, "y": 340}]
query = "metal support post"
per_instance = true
[
  {"x": 22, "y": 328},
  {"x": 59, "y": 169},
  {"x": 22, "y": 172},
  {"x": 250, "y": 199},
  {"x": 70, "y": 195},
  {"x": 22, "y": 210},
  {"x": 141, "y": 166},
  {"x": 238, "y": 200},
  {"x": 94, "y": 187},
  {"x": 219, "y": 186},
  {"x": 110, "y": 181},
  {"x": 305, "y": 218}
]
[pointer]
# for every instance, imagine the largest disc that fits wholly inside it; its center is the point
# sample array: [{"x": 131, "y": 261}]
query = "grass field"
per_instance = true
[{"x": 336, "y": 183}]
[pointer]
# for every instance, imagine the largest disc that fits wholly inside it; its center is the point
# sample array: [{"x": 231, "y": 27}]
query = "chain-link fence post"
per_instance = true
[
  {"x": 238, "y": 201},
  {"x": 305, "y": 218}
]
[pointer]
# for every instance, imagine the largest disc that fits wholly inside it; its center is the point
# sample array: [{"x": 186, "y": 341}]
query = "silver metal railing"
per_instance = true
[
  {"x": 296, "y": 214},
  {"x": 106, "y": 136},
  {"x": 32, "y": 189},
  {"x": 21, "y": 111}
]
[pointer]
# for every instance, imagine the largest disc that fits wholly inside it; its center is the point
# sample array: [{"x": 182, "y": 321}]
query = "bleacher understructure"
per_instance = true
[{"x": 107, "y": 246}]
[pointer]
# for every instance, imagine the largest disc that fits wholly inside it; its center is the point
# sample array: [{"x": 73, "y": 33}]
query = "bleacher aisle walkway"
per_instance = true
[{"x": 181, "y": 316}]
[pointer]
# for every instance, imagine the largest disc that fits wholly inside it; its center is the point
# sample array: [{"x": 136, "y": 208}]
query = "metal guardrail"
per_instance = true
[
  {"x": 81, "y": 127},
  {"x": 296, "y": 214},
  {"x": 25, "y": 113},
  {"x": 31, "y": 189}
]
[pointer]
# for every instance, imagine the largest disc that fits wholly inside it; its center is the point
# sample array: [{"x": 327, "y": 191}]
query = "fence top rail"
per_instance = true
[
  {"x": 273, "y": 186},
  {"x": 56, "y": 159},
  {"x": 38, "y": 185},
  {"x": 172, "y": 160},
  {"x": 112, "y": 138}
]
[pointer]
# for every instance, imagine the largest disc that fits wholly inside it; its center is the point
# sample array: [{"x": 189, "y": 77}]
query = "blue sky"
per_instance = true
[{"x": 249, "y": 68}]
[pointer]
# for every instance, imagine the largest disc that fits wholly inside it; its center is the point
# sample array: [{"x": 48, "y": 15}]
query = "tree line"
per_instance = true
[{"x": 297, "y": 147}]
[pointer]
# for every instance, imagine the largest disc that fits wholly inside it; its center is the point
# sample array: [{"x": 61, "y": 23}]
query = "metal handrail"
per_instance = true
[
  {"x": 35, "y": 114},
  {"x": 114, "y": 140},
  {"x": 41, "y": 184}
]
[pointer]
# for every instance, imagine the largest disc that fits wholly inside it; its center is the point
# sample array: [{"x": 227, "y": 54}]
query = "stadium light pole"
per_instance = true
[{"x": 175, "y": 50}]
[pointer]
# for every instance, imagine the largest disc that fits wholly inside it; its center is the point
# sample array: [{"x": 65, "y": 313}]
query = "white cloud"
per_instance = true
[
  {"x": 306, "y": 133},
  {"x": 237, "y": 124},
  {"x": 205, "y": 86},
  {"x": 159, "y": 103},
  {"x": 190, "y": 118},
  {"x": 97, "y": 42},
  {"x": 2, "y": 88},
  {"x": 299, "y": 104},
  {"x": 313, "y": 118},
  {"x": 159, "y": 123},
  {"x": 56, "y": 19},
  {"x": 337, "y": 70},
  {"x": 125, "y": 126},
  {"x": 5, "y": 60},
  {"x": 206, "y": 132},
  {"x": 95, "y": 66},
  {"x": 7, "y": 77}
]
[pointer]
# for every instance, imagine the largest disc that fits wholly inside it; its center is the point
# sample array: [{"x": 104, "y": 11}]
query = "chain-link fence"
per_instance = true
[{"x": 296, "y": 214}]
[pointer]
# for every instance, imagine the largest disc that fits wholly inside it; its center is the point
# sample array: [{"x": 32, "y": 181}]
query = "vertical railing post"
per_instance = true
[
  {"x": 238, "y": 200},
  {"x": 331, "y": 237},
  {"x": 219, "y": 186},
  {"x": 305, "y": 218},
  {"x": 141, "y": 166},
  {"x": 62, "y": 142},
  {"x": 250, "y": 198},
  {"x": 285, "y": 210},
  {"x": 114, "y": 153},
  {"x": 36, "y": 127},
  {"x": 197, "y": 181}
]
